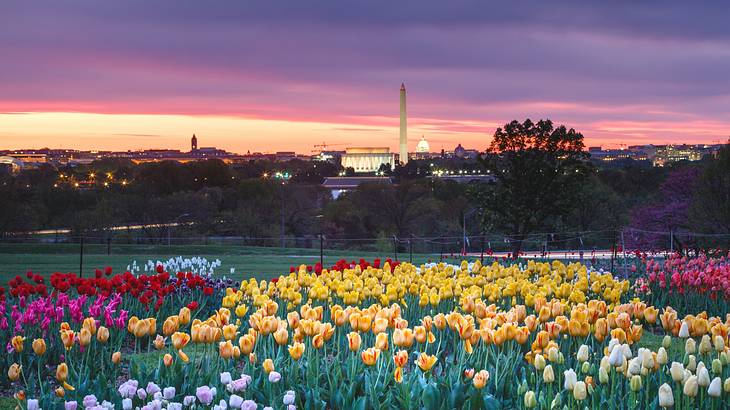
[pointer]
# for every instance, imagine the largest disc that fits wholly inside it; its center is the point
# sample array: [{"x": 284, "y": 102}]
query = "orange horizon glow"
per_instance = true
[{"x": 239, "y": 134}]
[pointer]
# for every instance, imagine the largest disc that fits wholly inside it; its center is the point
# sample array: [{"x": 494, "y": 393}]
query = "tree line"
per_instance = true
[{"x": 543, "y": 182}]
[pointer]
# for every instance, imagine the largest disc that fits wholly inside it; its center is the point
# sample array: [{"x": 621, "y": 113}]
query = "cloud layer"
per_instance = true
[{"x": 620, "y": 72}]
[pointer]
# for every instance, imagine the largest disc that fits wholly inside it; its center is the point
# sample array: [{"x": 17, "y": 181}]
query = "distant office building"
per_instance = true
[
  {"x": 31, "y": 158},
  {"x": 284, "y": 156},
  {"x": 194, "y": 143},
  {"x": 674, "y": 153}
]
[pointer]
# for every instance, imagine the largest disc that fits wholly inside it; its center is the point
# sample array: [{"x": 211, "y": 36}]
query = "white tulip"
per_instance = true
[
  {"x": 666, "y": 396},
  {"x": 715, "y": 389}
]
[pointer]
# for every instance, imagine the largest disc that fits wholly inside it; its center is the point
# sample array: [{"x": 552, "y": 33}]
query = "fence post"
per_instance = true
[
  {"x": 613, "y": 251},
  {"x": 481, "y": 255},
  {"x": 623, "y": 248},
  {"x": 395, "y": 248},
  {"x": 81, "y": 257},
  {"x": 410, "y": 249},
  {"x": 441, "y": 255}
]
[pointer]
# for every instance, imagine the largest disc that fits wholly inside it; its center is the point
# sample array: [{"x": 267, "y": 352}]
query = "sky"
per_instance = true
[{"x": 271, "y": 75}]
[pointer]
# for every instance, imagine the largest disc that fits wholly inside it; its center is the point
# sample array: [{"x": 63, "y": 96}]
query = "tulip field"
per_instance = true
[{"x": 377, "y": 334}]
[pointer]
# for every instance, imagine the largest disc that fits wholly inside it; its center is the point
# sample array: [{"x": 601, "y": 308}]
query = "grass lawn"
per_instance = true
[{"x": 259, "y": 262}]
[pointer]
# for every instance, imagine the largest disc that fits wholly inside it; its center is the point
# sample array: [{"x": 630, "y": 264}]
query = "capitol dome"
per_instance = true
[{"x": 423, "y": 146}]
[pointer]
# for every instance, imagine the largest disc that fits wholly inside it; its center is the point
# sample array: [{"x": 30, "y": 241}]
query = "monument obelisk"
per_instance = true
[{"x": 403, "y": 153}]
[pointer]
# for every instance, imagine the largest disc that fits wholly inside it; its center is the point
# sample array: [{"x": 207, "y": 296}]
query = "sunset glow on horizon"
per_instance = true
[{"x": 261, "y": 78}]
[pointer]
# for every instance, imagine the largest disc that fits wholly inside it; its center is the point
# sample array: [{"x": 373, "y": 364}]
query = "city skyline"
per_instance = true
[{"x": 257, "y": 77}]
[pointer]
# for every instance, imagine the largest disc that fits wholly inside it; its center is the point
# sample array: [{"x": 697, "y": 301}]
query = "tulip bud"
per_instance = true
[
  {"x": 705, "y": 345},
  {"x": 667, "y": 342},
  {"x": 84, "y": 337},
  {"x": 268, "y": 365},
  {"x": 719, "y": 343},
  {"x": 14, "y": 372},
  {"x": 716, "y": 366},
  {"x": 583, "y": 353},
  {"x": 703, "y": 376},
  {"x": 726, "y": 385},
  {"x": 585, "y": 367},
  {"x": 691, "y": 363},
  {"x": 684, "y": 330},
  {"x": 580, "y": 391},
  {"x": 39, "y": 346},
  {"x": 548, "y": 376},
  {"x": 724, "y": 358},
  {"x": 635, "y": 383},
  {"x": 676, "y": 371},
  {"x": 116, "y": 357},
  {"x": 662, "y": 357},
  {"x": 539, "y": 362},
  {"x": 530, "y": 400},
  {"x": 690, "y": 386},
  {"x": 715, "y": 388},
  {"x": 522, "y": 389},
  {"x": 167, "y": 360},
  {"x": 102, "y": 334},
  {"x": 666, "y": 396},
  {"x": 60, "y": 392},
  {"x": 570, "y": 379},
  {"x": 62, "y": 372},
  {"x": 690, "y": 346},
  {"x": 603, "y": 375}
]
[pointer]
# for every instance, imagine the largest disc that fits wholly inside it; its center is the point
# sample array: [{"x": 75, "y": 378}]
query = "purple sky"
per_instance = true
[{"x": 620, "y": 72}]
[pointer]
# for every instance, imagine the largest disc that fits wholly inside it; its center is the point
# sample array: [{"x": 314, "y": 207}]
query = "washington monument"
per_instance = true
[{"x": 403, "y": 126}]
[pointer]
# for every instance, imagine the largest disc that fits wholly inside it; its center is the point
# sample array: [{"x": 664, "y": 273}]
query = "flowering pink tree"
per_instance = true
[{"x": 669, "y": 213}]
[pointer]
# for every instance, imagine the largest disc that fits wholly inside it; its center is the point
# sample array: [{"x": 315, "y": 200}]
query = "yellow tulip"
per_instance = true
[
  {"x": 381, "y": 341},
  {"x": 281, "y": 336},
  {"x": 480, "y": 379},
  {"x": 296, "y": 350},
  {"x": 102, "y": 334},
  {"x": 84, "y": 337},
  {"x": 179, "y": 340},
  {"x": 62, "y": 372},
  {"x": 159, "y": 342},
  {"x": 370, "y": 356},
  {"x": 171, "y": 325},
  {"x": 17, "y": 343},
  {"x": 226, "y": 349},
  {"x": 183, "y": 356},
  {"x": 398, "y": 374},
  {"x": 39, "y": 346},
  {"x": 318, "y": 341},
  {"x": 400, "y": 358},
  {"x": 354, "y": 341},
  {"x": 246, "y": 343},
  {"x": 426, "y": 362},
  {"x": 14, "y": 372},
  {"x": 229, "y": 332},
  {"x": 268, "y": 365},
  {"x": 184, "y": 315}
]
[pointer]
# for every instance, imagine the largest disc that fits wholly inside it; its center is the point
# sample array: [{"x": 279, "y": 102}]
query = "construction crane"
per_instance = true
[{"x": 322, "y": 147}]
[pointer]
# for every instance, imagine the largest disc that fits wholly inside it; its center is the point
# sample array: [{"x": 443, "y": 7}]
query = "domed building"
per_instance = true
[
  {"x": 423, "y": 147},
  {"x": 459, "y": 151}
]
